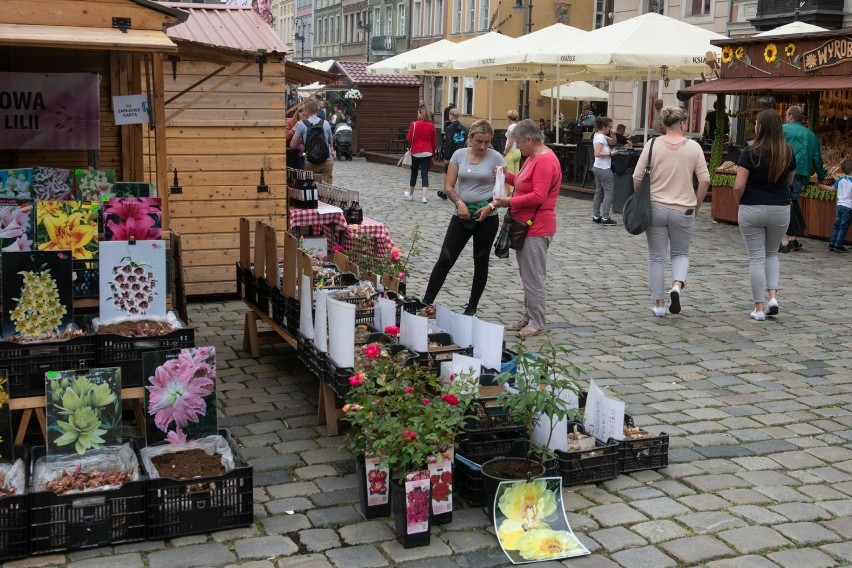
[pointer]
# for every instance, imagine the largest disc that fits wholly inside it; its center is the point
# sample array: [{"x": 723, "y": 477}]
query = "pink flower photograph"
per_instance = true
[
  {"x": 180, "y": 394},
  {"x": 133, "y": 218}
]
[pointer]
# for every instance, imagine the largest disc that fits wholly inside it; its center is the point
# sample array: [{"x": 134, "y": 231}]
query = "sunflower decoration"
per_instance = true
[
  {"x": 727, "y": 54},
  {"x": 790, "y": 50},
  {"x": 770, "y": 54},
  {"x": 739, "y": 52}
]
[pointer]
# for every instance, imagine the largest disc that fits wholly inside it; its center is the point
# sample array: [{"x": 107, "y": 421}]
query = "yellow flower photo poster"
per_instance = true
[{"x": 531, "y": 523}]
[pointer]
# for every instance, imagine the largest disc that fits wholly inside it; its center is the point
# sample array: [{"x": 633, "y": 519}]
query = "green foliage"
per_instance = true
[
  {"x": 814, "y": 192},
  {"x": 363, "y": 253},
  {"x": 717, "y": 151},
  {"x": 722, "y": 179}
]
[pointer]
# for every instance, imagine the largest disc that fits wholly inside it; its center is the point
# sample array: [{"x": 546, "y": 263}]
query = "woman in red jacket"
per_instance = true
[
  {"x": 533, "y": 203},
  {"x": 422, "y": 140}
]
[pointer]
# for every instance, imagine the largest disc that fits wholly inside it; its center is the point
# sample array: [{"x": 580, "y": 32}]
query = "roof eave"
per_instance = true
[{"x": 181, "y": 15}]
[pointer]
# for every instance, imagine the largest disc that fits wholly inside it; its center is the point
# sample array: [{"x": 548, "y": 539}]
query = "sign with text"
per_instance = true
[
  {"x": 49, "y": 111},
  {"x": 833, "y": 52},
  {"x": 130, "y": 109}
]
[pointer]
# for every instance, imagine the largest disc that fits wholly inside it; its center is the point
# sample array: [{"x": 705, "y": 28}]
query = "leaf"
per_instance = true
[
  {"x": 777, "y": 64},
  {"x": 747, "y": 59},
  {"x": 796, "y": 60}
]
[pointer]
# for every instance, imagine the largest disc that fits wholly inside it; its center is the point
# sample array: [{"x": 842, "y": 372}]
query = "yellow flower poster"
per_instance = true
[
  {"x": 531, "y": 523},
  {"x": 68, "y": 226},
  {"x": 37, "y": 301}
]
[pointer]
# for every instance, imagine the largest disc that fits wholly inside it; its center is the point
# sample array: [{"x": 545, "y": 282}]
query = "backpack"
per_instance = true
[
  {"x": 455, "y": 138},
  {"x": 316, "y": 146}
]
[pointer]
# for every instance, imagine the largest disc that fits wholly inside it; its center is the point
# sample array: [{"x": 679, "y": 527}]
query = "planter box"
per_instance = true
[
  {"x": 819, "y": 218},
  {"x": 723, "y": 206},
  {"x": 202, "y": 504},
  {"x": 113, "y": 350},
  {"x": 588, "y": 466},
  {"x": 60, "y": 523}
]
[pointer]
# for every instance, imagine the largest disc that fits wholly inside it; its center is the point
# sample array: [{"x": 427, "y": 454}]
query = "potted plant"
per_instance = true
[{"x": 537, "y": 395}]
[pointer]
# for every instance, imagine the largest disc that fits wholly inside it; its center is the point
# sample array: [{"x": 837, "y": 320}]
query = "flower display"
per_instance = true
[
  {"x": 94, "y": 185},
  {"x": 83, "y": 411},
  {"x": 16, "y": 226},
  {"x": 739, "y": 52},
  {"x": 132, "y": 287},
  {"x": 362, "y": 251},
  {"x": 133, "y": 218},
  {"x": 178, "y": 388},
  {"x": 770, "y": 53},
  {"x": 353, "y": 94},
  {"x": 51, "y": 184},
  {"x": 727, "y": 54},
  {"x": 68, "y": 225},
  {"x": 16, "y": 183},
  {"x": 39, "y": 310}
]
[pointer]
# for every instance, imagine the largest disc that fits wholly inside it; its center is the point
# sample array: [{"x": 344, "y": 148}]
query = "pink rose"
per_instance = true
[
  {"x": 400, "y": 276},
  {"x": 410, "y": 435},
  {"x": 426, "y": 400},
  {"x": 371, "y": 351},
  {"x": 355, "y": 381},
  {"x": 337, "y": 248},
  {"x": 408, "y": 390},
  {"x": 395, "y": 254},
  {"x": 392, "y": 330}
]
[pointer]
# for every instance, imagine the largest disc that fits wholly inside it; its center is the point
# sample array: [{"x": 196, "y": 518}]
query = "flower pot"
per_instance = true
[
  {"x": 410, "y": 503},
  {"x": 373, "y": 489},
  {"x": 441, "y": 485},
  {"x": 506, "y": 469},
  {"x": 723, "y": 205}
]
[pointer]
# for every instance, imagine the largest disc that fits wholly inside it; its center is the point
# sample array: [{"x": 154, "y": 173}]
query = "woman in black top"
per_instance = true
[{"x": 764, "y": 173}]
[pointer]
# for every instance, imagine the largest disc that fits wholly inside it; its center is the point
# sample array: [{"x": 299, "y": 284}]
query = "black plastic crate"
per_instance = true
[
  {"x": 240, "y": 283},
  {"x": 278, "y": 307},
  {"x": 78, "y": 521},
  {"x": 292, "y": 314},
  {"x": 588, "y": 466},
  {"x": 263, "y": 292},
  {"x": 431, "y": 360},
  {"x": 315, "y": 360},
  {"x": 250, "y": 284},
  {"x": 14, "y": 520},
  {"x": 362, "y": 315},
  {"x": 643, "y": 453},
  {"x": 202, "y": 504},
  {"x": 26, "y": 363},
  {"x": 113, "y": 350}
]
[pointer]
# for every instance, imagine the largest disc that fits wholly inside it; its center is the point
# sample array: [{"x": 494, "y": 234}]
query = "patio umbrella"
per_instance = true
[
  {"x": 791, "y": 29},
  {"x": 576, "y": 91},
  {"x": 398, "y": 64}
]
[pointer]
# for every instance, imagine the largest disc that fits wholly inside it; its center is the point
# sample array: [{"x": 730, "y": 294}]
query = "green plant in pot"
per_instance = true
[{"x": 537, "y": 394}]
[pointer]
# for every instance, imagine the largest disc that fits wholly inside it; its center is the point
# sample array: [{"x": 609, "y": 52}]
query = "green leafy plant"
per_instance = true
[
  {"x": 722, "y": 179},
  {"x": 362, "y": 251},
  {"x": 814, "y": 192},
  {"x": 717, "y": 151},
  {"x": 537, "y": 390}
]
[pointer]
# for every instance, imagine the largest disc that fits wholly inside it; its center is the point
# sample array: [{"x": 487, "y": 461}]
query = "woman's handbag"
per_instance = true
[
  {"x": 637, "y": 208},
  {"x": 518, "y": 234},
  {"x": 501, "y": 245},
  {"x": 797, "y": 221},
  {"x": 406, "y": 158}
]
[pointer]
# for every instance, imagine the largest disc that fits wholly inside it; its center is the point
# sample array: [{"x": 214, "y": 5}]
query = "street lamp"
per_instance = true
[
  {"x": 300, "y": 25},
  {"x": 366, "y": 27}
]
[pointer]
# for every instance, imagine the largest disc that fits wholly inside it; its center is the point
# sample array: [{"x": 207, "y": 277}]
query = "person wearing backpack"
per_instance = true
[
  {"x": 455, "y": 138},
  {"x": 315, "y": 133}
]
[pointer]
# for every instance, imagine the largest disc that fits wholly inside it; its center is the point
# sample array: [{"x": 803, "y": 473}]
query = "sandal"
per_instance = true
[
  {"x": 529, "y": 332},
  {"x": 517, "y": 326}
]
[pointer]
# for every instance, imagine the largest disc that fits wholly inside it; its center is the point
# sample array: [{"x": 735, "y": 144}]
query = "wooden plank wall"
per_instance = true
[
  {"x": 88, "y": 13},
  {"x": 383, "y": 108},
  {"x": 218, "y": 147}
]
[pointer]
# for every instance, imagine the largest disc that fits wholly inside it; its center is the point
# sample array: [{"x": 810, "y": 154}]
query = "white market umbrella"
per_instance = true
[
  {"x": 310, "y": 90},
  {"x": 791, "y": 29},
  {"x": 321, "y": 65},
  {"x": 576, "y": 91},
  {"x": 398, "y": 64}
]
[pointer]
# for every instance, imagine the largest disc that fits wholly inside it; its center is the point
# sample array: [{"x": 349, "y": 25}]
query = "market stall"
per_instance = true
[{"x": 812, "y": 70}]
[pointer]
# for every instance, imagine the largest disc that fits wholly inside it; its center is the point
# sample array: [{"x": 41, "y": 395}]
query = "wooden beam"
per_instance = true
[
  {"x": 199, "y": 82},
  {"x": 157, "y": 80},
  {"x": 201, "y": 96}
]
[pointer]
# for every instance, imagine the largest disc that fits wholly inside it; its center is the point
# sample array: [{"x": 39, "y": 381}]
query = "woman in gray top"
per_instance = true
[{"x": 474, "y": 168}]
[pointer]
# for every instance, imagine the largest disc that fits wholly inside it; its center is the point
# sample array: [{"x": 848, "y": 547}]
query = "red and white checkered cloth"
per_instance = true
[
  {"x": 381, "y": 237},
  {"x": 333, "y": 221},
  {"x": 313, "y": 217}
]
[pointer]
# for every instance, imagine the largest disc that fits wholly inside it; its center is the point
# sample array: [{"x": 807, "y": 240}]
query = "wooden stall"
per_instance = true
[
  {"x": 389, "y": 102},
  {"x": 813, "y": 70},
  {"x": 224, "y": 113}
]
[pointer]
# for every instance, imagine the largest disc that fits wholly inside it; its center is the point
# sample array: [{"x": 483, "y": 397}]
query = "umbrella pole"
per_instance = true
[
  {"x": 490, "y": 96},
  {"x": 647, "y": 105},
  {"x": 558, "y": 100}
]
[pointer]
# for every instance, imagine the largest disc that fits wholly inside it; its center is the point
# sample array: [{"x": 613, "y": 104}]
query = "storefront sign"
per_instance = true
[
  {"x": 130, "y": 109},
  {"x": 49, "y": 111},
  {"x": 830, "y": 53}
]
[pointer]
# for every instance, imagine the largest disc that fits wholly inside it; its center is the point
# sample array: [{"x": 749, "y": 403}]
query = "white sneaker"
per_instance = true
[
  {"x": 406, "y": 195},
  {"x": 423, "y": 200},
  {"x": 772, "y": 307},
  {"x": 756, "y": 315},
  {"x": 659, "y": 311}
]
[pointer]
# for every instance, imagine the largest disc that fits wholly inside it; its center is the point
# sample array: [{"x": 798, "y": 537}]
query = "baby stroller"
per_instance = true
[{"x": 343, "y": 141}]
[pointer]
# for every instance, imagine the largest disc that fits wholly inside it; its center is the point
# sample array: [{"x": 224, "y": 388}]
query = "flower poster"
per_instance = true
[
  {"x": 417, "y": 502},
  {"x": 441, "y": 479},
  {"x": 68, "y": 226},
  {"x": 531, "y": 523},
  {"x": 180, "y": 394},
  {"x": 94, "y": 185},
  {"x": 7, "y": 440},
  {"x": 133, "y": 189},
  {"x": 17, "y": 225},
  {"x": 83, "y": 410},
  {"x": 16, "y": 183},
  {"x": 52, "y": 184},
  {"x": 37, "y": 298},
  {"x": 377, "y": 482},
  {"x": 133, "y": 218},
  {"x": 132, "y": 279}
]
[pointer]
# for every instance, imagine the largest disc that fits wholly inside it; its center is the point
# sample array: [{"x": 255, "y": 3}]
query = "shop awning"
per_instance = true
[
  {"x": 70, "y": 37},
  {"x": 735, "y": 85}
]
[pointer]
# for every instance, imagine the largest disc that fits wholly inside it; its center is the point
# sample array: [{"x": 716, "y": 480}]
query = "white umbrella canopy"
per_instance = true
[
  {"x": 440, "y": 62},
  {"x": 576, "y": 91},
  {"x": 398, "y": 64},
  {"x": 790, "y": 29}
]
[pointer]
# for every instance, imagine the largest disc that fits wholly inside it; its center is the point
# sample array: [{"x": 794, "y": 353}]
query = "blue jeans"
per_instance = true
[{"x": 842, "y": 220}]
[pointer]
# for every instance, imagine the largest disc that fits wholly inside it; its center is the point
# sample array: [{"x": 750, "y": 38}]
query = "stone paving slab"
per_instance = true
[{"x": 759, "y": 414}]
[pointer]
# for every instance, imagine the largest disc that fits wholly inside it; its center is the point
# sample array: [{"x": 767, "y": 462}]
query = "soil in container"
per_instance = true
[
  {"x": 188, "y": 464},
  {"x": 138, "y": 328}
]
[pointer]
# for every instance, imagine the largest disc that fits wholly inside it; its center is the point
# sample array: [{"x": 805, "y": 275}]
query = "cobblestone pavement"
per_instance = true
[{"x": 759, "y": 413}]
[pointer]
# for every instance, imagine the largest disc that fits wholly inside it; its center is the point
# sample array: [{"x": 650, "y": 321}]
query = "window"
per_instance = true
[
  {"x": 427, "y": 18},
  {"x": 400, "y": 10},
  {"x": 439, "y": 18},
  {"x": 415, "y": 20},
  {"x": 377, "y": 21},
  {"x": 389, "y": 19},
  {"x": 457, "y": 16},
  {"x": 319, "y": 31},
  {"x": 467, "y": 101},
  {"x": 483, "y": 16},
  {"x": 332, "y": 34},
  {"x": 697, "y": 7},
  {"x": 600, "y": 13},
  {"x": 471, "y": 15}
]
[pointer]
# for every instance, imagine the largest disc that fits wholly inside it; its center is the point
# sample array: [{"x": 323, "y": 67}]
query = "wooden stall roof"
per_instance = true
[
  {"x": 355, "y": 73},
  {"x": 72, "y": 37}
]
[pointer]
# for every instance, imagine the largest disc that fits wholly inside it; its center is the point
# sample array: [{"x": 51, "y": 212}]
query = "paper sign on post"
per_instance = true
[
  {"x": 488, "y": 343},
  {"x": 130, "y": 109},
  {"x": 384, "y": 314},
  {"x": 413, "y": 332},
  {"x": 341, "y": 333},
  {"x": 321, "y": 322},
  {"x": 306, "y": 316}
]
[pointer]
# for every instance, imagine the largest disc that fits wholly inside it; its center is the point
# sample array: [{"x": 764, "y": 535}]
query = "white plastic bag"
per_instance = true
[{"x": 500, "y": 183}]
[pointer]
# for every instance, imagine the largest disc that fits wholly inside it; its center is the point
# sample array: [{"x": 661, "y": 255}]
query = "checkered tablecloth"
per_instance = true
[
  {"x": 334, "y": 226},
  {"x": 323, "y": 216},
  {"x": 381, "y": 237}
]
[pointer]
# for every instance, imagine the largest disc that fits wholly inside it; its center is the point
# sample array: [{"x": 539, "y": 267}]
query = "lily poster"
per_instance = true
[
  {"x": 83, "y": 410},
  {"x": 69, "y": 226},
  {"x": 52, "y": 184},
  {"x": 531, "y": 523},
  {"x": 17, "y": 225},
  {"x": 94, "y": 185},
  {"x": 133, "y": 218},
  {"x": 180, "y": 394},
  {"x": 132, "y": 279},
  {"x": 7, "y": 442},
  {"x": 16, "y": 183},
  {"x": 37, "y": 297}
]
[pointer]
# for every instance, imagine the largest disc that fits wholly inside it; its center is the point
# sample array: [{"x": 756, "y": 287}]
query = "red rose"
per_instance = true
[
  {"x": 434, "y": 479},
  {"x": 392, "y": 330},
  {"x": 450, "y": 399},
  {"x": 408, "y": 390},
  {"x": 355, "y": 381},
  {"x": 371, "y": 351},
  {"x": 447, "y": 476},
  {"x": 440, "y": 492},
  {"x": 426, "y": 400}
]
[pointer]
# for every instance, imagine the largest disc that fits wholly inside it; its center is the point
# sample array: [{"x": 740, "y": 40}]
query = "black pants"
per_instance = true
[{"x": 454, "y": 242}]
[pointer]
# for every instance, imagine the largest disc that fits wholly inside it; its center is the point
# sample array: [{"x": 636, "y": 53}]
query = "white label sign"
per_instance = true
[{"x": 130, "y": 109}]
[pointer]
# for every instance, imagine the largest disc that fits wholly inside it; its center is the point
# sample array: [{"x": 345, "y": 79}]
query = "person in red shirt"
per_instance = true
[
  {"x": 422, "y": 140},
  {"x": 533, "y": 203}
]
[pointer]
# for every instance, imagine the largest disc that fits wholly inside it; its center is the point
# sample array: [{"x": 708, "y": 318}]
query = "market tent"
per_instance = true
[
  {"x": 791, "y": 29},
  {"x": 321, "y": 65},
  {"x": 440, "y": 61},
  {"x": 576, "y": 91},
  {"x": 398, "y": 64}
]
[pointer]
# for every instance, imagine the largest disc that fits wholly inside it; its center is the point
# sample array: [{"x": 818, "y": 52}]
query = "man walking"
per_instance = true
[
  {"x": 805, "y": 146},
  {"x": 317, "y": 137},
  {"x": 455, "y": 138}
]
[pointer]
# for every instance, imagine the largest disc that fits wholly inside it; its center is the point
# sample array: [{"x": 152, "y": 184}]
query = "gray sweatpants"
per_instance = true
[
  {"x": 669, "y": 229},
  {"x": 762, "y": 227},
  {"x": 532, "y": 264},
  {"x": 604, "y": 185}
]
